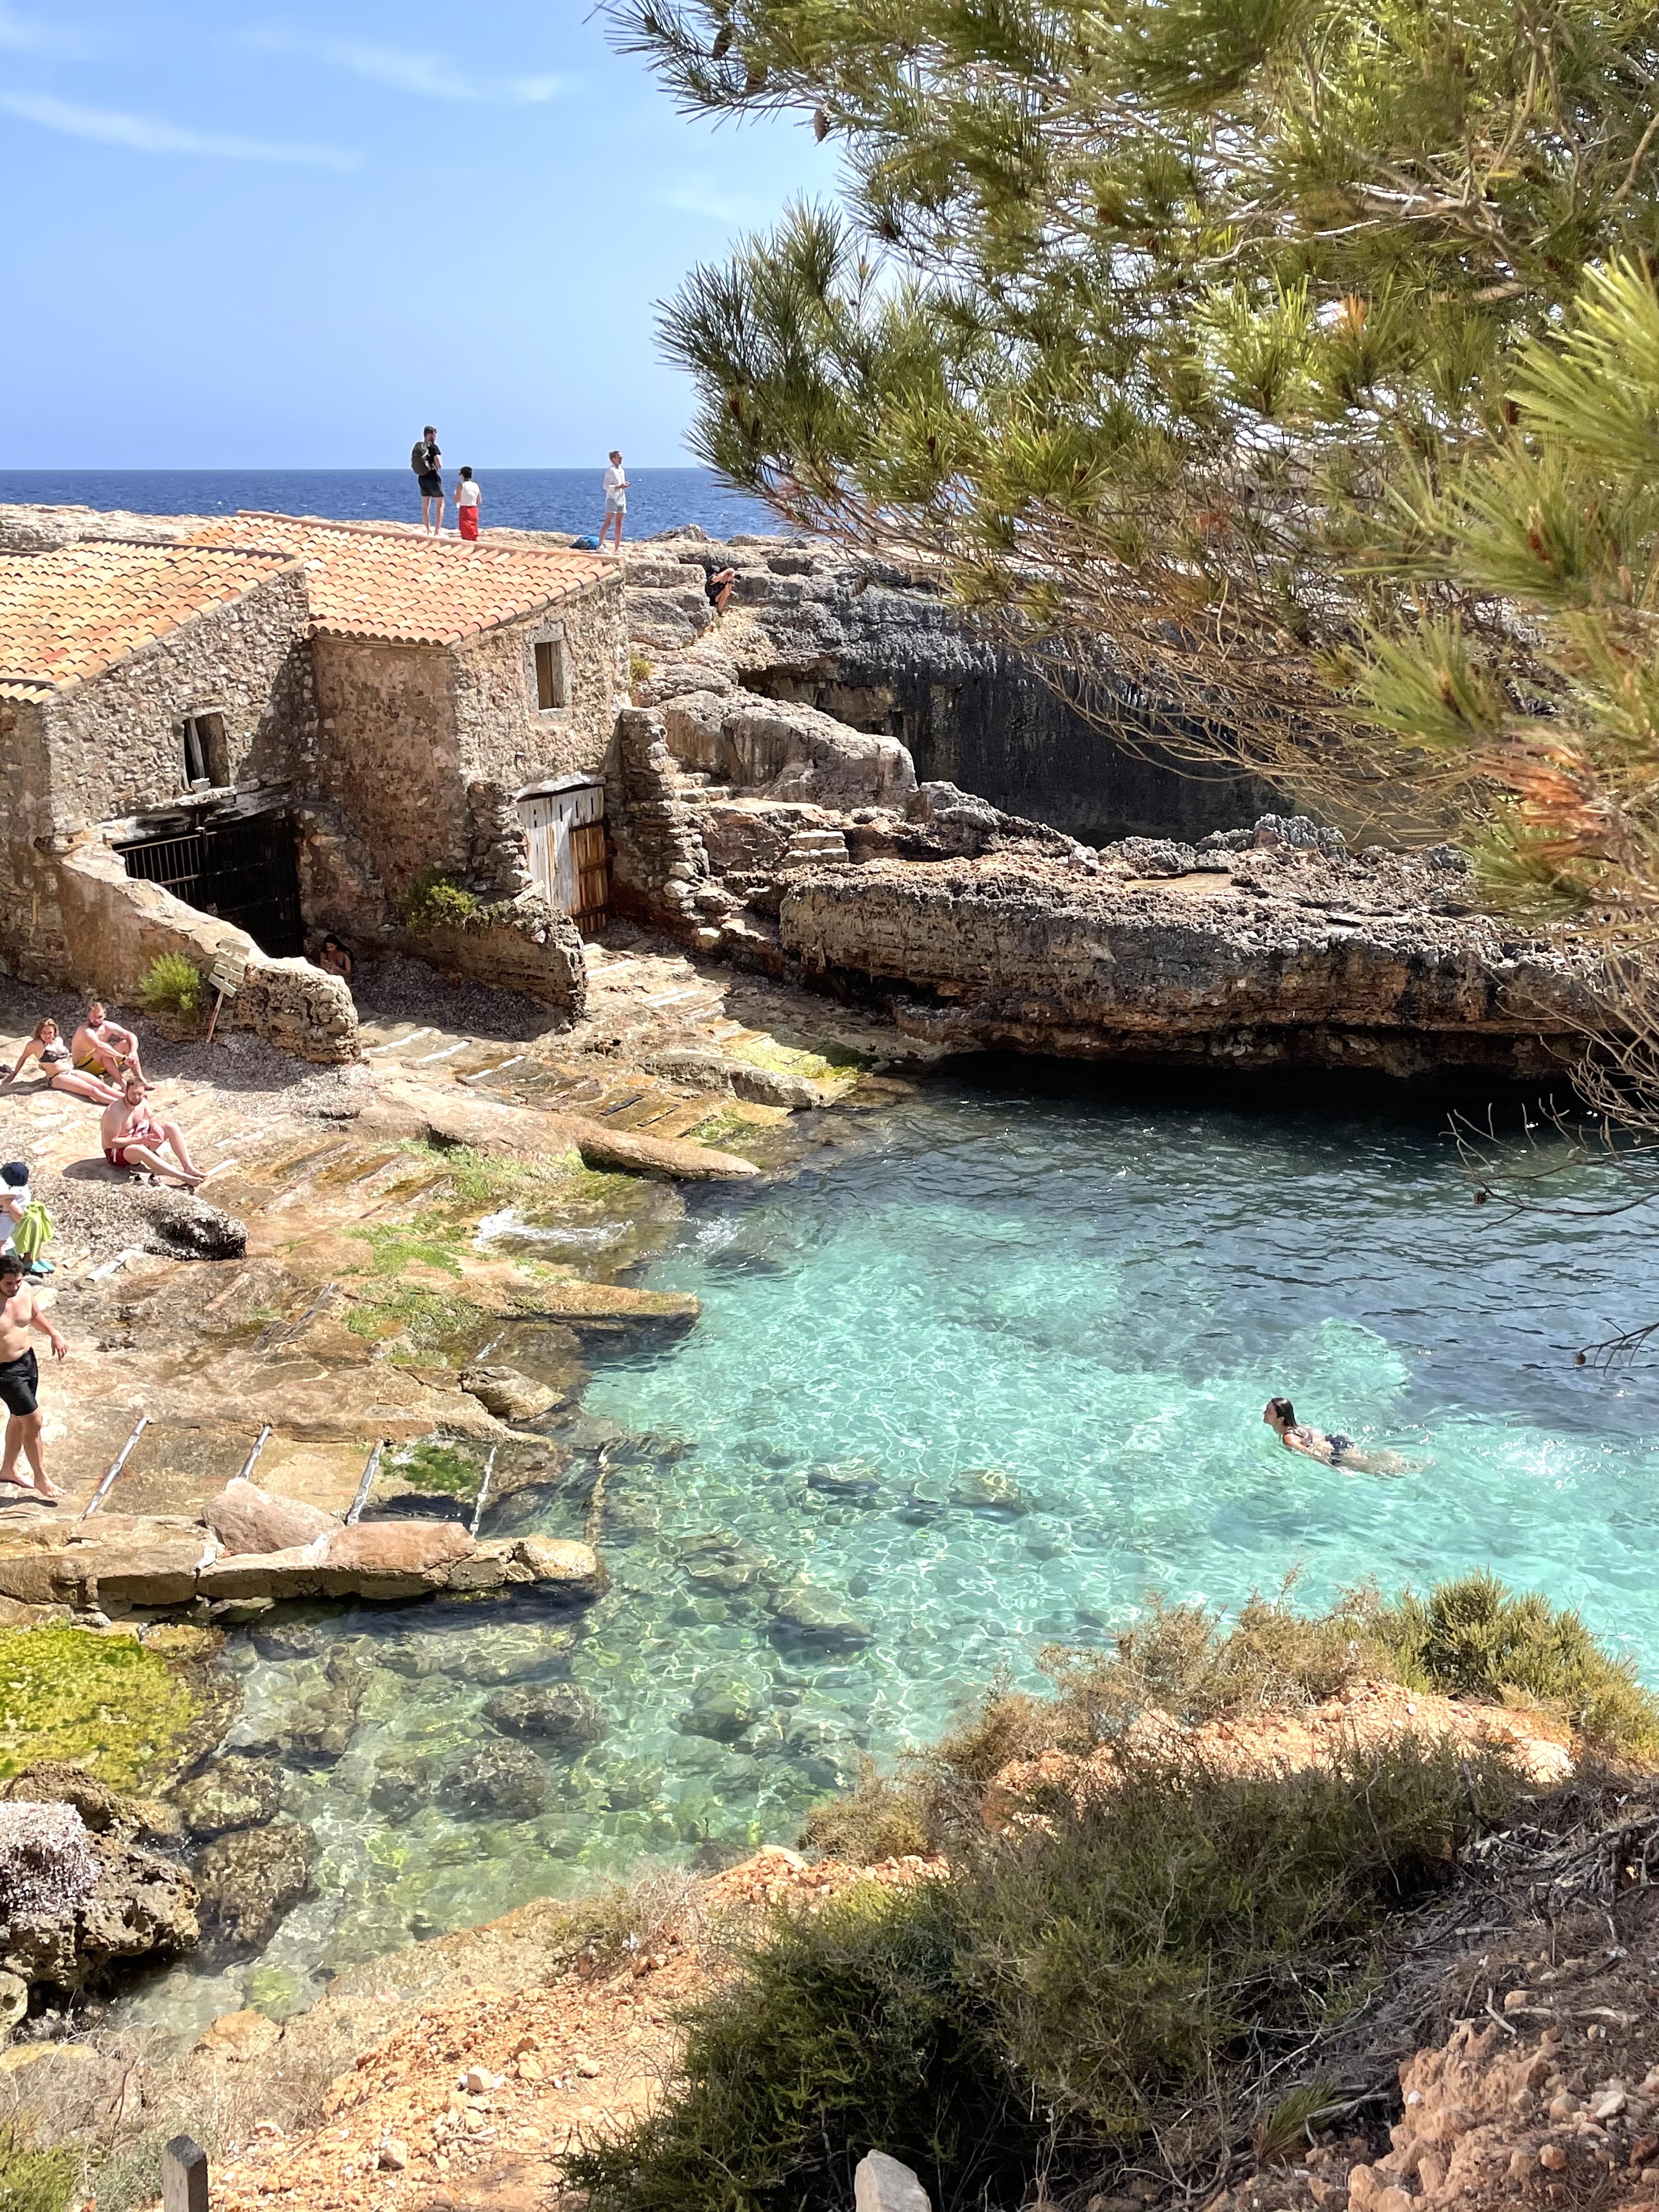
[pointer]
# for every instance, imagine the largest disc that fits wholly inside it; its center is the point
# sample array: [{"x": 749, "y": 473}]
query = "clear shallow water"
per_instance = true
[
  {"x": 1091, "y": 1300},
  {"x": 517, "y": 499}
]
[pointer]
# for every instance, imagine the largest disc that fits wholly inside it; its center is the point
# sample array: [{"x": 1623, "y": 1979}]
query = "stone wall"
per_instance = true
[
  {"x": 658, "y": 856},
  {"x": 517, "y": 944},
  {"x": 503, "y": 736},
  {"x": 114, "y": 926},
  {"x": 113, "y": 748},
  {"x": 115, "y": 744},
  {"x": 31, "y": 921},
  {"x": 388, "y": 755}
]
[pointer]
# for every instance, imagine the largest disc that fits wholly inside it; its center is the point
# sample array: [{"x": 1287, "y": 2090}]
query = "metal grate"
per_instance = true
[{"x": 240, "y": 871}]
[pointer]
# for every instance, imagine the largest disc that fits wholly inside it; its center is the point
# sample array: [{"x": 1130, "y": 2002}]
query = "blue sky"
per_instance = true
[{"x": 287, "y": 236}]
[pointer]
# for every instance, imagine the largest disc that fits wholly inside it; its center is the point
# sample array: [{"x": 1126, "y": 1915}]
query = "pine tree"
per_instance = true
[{"x": 1130, "y": 319}]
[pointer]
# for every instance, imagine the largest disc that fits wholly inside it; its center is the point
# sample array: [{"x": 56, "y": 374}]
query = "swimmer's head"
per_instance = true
[{"x": 1279, "y": 1414}]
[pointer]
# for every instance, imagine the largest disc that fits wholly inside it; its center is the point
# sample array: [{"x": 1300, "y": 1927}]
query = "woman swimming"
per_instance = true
[{"x": 1332, "y": 1450}]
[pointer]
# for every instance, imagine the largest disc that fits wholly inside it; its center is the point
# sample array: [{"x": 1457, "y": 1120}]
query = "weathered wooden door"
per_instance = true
[
  {"x": 591, "y": 861},
  {"x": 565, "y": 832}
]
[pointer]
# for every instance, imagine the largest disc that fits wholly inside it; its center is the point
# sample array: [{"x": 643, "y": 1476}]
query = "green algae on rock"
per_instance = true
[{"x": 103, "y": 1703}]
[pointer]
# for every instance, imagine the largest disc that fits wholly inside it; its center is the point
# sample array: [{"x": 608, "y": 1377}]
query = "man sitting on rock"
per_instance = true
[
  {"x": 19, "y": 1375},
  {"x": 133, "y": 1139},
  {"x": 102, "y": 1047}
]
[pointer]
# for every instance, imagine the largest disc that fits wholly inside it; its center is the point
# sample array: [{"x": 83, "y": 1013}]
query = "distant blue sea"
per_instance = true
[{"x": 519, "y": 499}]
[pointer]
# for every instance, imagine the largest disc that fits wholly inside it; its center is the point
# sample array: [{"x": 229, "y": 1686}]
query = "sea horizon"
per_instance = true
[{"x": 521, "y": 499}]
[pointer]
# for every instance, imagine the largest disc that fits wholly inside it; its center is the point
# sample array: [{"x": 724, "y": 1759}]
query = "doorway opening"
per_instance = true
[{"x": 241, "y": 872}]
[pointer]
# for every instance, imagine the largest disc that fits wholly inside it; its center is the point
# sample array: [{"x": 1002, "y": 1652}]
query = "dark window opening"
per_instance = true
[
  {"x": 206, "y": 760},
  {"x": 550, "y": 692},
  {"x": 240, "y": 871}
]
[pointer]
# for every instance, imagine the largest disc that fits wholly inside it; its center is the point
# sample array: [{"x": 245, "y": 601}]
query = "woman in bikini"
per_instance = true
[{"x": 47, "y": 1046}]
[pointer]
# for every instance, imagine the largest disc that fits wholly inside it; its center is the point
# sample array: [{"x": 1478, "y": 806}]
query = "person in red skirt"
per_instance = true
[{"x": 468, "y": 497}]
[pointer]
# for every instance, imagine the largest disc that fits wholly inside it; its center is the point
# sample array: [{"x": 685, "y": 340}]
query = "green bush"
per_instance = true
[
  {"x": 1474, "y": 1637},
  {"x": 172, "y": 985},
  {"x": 435, "y": 901},
  {"x": 1130, "y": 1971},
  {"x": 35, "y": 2180}
]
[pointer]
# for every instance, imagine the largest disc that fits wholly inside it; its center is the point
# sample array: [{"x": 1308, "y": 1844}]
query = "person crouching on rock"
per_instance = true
[
  {"x": 132, "y": 1139},
  {"x": 20, "y": 1377}
]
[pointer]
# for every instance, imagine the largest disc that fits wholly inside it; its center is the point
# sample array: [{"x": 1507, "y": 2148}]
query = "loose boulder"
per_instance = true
[
  {"x": 501, "y": 1778},
  {"x": 557, "y": 1712},
  {"x": 249, "y": 1881},
  {"x": 400, "y": 1547},
  {"x": 232, "y": 1793},
  {"x": 73, "y": 1900},
  {"x": 508, "y": 1394},
  {"x": 881, "y": 2183},
  {"x": 246, "y": 1518},
  {"x": 818, "y": 1617},
  {"x": 567, "y": 1571}
]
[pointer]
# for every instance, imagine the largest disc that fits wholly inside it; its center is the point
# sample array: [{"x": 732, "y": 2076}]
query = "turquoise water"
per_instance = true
[{"x": 983, "y": 1371}]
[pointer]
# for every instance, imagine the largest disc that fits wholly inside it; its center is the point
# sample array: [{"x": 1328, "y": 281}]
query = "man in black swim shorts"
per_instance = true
[
  {"x": 427, "y": 463},
  {"x": 19, "y": 1376}
]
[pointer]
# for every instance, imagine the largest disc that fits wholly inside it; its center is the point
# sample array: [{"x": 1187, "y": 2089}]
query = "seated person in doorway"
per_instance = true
[
  {"x": 134, "y": 1139},
  {"x": 717, "y": 586},
  {"x": 47, "y": 1047},
  {"x": 334, "y": 959},
  {"x": 19, "y": 1374},
  {"x": 102, "y": 1047}
]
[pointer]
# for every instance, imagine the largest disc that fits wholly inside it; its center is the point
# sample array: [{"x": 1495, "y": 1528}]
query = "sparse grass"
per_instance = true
[
  {"x": 1127, "y": 1972},
  {"x": 639, "y": 670},
  {"x": 173, "y": 985},
  {"x": 435, "y": 901},
  {"x": 428, "y": 1318},
  {"x": 102, "y": 1702},
  {"x": 396, "y": 1245}
]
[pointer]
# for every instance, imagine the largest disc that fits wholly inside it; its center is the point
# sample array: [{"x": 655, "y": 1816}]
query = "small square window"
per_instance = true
[
  {"x": 205, "y": 759},
  {"x": 552, "y": 683}
]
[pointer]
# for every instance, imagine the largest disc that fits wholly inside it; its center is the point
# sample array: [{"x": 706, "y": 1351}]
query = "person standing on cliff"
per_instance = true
[
  {"x": 19, "y": 1374},
  {"x": 468, "y": 500},
  {"x": 427, "y": 463},
  {"x": 615, "y": 499}
]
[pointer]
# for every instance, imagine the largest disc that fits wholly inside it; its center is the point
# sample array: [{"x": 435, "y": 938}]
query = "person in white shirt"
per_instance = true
[
  {"x": 615, "y": 499},
  {"x": 467, "y": 498}
]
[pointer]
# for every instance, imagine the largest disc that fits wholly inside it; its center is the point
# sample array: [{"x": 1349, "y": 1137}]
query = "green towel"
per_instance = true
[{"x": 33, "y": 1232}]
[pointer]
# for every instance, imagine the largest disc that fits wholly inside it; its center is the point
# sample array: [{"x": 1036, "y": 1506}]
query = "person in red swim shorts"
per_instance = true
[
  {"x": 468, "y": 500},
  {"x": 134, "y": 1139}
]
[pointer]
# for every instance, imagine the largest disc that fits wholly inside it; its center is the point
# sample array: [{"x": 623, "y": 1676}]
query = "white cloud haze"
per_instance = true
[{"x": 149, "y": 134}]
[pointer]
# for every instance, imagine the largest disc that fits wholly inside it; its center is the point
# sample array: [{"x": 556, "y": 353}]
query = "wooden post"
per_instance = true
[{"x": 183, "y": 2176}]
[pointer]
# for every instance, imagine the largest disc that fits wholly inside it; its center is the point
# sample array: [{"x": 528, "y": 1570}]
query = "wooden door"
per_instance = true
[{"x": 591, "y": 867}]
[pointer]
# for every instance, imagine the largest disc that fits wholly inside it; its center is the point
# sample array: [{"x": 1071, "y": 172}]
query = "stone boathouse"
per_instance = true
[{"x": 240, "y": 739}]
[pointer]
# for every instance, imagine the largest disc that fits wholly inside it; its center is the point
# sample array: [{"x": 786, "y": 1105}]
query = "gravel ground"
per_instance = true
[{"x": 408, "y": 990}]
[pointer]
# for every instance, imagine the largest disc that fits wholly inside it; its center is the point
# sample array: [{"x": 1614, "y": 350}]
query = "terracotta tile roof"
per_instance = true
[
  {"x": 71, "y": 611},
  {"x": 383, "y": 580}
]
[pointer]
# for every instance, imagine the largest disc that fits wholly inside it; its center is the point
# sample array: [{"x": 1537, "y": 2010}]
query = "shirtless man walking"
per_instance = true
[
  {"x": 133, "y": 1139},
  {"x": 20, "y": 1377},
  {"x": 102, "y": 1047}
]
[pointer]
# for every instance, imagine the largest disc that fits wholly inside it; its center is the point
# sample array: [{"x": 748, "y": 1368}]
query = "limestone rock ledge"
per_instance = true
[{"x": 1289, "y": 958}]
